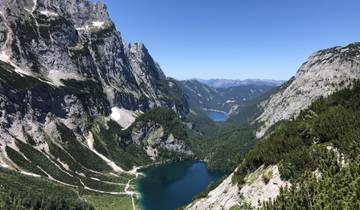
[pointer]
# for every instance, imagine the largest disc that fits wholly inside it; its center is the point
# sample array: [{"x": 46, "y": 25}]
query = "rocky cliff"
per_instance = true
[
  {"x": 70, "y": 88},
  {"x": 325, "y": 72},
  {"x": 56, "y": 40}
]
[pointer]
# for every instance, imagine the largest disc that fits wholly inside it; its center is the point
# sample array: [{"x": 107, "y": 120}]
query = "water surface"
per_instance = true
[
  {"x": 217, "y": 116},
  {"x": 173, "y": 185}
]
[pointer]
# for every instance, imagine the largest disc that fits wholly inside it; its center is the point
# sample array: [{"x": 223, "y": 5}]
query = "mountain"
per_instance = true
[
  {"x": 82, "y": 110},
  {"x": 226, "y": 83},
  {"x": 79, "y": 105},
  {"x": 325, "y": 72},
  {"x": 311, "y": 145},
  {"x": 203, "y": 97},
  {"x": 64, "y": 40},
  {"x": 223, "y": 145}
]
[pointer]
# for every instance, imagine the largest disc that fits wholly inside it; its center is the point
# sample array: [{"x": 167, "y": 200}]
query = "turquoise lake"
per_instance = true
[
  {"x": 217, "y": 116},
  {"x": 173, "y": 185}
]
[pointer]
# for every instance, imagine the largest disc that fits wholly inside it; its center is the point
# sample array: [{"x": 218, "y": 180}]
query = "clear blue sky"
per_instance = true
[{"x": 235, "y": 39}]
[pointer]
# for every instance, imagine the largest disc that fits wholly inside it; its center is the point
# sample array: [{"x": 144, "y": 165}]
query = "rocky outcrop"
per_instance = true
[
  {"x": 325, "y": 72},
  {"x": 255, "y": 190},
  {"x": 153, "y": 137}
]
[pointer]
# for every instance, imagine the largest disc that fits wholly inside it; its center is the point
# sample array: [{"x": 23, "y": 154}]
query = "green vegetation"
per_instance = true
[
  {"x": 223, "y": 145},
  {"x": 267, "y": 177},
  {"x": 110, "y": 140},
  {"x": 28, "y": 193},
  {"x": 337, "y": 187},
  {"x": 60, "y": 154},
  {"x": 31, "y": 193},
  {"x": 168, "y": 119},
  {"x": 109, "y": 202},
  {"x": 20, "y": 161},
  {"x": 201, "y": 96},
  {"x": 249, "y": 110},
  {"x": 102, "y": 186},
  {"x": 224, "y": 148},
  {"x": 46, "y": 164},
  {"x": 243, "y": 206},
  {"x": 80, "y": 152},
  {"x": 324, "y": 138},
  {"x": 115, "y": 143}
]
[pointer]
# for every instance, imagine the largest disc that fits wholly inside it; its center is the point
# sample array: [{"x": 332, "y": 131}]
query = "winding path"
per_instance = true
[{"x": 131, "y": 193}]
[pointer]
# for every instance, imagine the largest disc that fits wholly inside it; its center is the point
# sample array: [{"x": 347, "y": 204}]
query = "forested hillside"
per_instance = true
[
  {"x": 318, "y": 153},
  {"x": 307, "y": 142}
]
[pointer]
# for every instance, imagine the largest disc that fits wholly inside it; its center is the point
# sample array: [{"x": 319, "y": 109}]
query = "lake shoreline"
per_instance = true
[
  {"x": 217, "y": 116},
  {"x": 173, "y": 183}
]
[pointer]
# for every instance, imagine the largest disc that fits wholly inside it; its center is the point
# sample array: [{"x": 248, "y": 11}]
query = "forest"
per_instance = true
[{"x": 318, "y": 152}]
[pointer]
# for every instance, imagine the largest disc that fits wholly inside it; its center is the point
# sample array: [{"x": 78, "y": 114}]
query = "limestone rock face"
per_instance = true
[
  {"x": 64, "y": 65},
  {"x": 153, "y": 136},
  {"x": 76, "y": 39},
  {"x": 325, "y": 72},
  {"x": 228, "y": 195}
]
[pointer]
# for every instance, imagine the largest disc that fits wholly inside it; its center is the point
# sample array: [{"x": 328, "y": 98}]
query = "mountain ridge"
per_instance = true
[
  {"x": 202, "y": 97},
  {"x": 78, "y": 105},
  {"x": 326, "y": 73}
]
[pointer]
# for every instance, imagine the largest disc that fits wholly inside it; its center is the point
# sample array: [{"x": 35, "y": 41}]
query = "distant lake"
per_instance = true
[
  {"x": 173, "y": 185},
  {"x": 217, "y": 116}
]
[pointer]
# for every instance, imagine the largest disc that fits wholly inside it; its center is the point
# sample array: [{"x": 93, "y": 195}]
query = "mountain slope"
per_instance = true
[
  {"x": 78, "y": 106},
  {"x": 325, "y": 72},
  {"x": 286, "y": 154},
  {"x": 57, "y": 40}
]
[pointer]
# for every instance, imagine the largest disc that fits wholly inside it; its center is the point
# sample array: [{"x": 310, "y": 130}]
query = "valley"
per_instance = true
[{"x": 89, "y": 121}]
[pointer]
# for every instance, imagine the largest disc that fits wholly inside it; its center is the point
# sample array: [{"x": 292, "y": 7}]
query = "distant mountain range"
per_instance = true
[
  {"x": 201, "y": 96},
  {"x": 226, "y": 83}
]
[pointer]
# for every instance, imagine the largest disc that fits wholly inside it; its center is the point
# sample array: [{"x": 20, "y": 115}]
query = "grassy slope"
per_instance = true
[
  {"x": 109, "y": 202},
  {"x": 25, "y": 192}
]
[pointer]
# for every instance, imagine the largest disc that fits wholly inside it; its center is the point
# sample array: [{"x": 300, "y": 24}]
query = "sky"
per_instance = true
[{"x": 235, "y": 39}]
